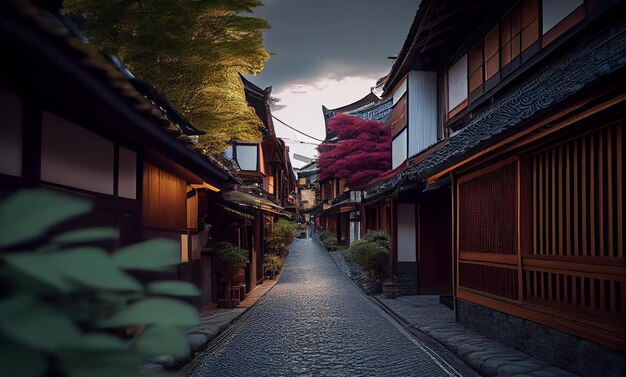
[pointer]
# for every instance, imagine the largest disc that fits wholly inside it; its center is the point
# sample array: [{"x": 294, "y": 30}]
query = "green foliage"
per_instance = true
[
  {"x": 374, "y": 257},
  {"x": 329, "y": 240},
  {"x": 282, "y": 235},
  {"x": 231, "y": 258},
  {"x": 273, "y": 263},
  {"x": 65, "y": 306},
  {"x": 379, "y": 237},
  {"x": 191, "y": 50}
]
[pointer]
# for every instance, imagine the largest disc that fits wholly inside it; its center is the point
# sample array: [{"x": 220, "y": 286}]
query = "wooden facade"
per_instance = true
[
  {"x": 83, "y": 126},
  {"x": 527, "y": 170},
  {"x": 558, "y": 255}
]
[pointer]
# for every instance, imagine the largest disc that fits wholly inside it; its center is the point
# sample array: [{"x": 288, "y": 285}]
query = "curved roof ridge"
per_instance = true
[{"x": 369, "y": 98}]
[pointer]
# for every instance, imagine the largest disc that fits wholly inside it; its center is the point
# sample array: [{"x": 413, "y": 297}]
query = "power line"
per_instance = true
[
  {"x": 298, "y": 131},
  {"x": 287, "y": 140}
]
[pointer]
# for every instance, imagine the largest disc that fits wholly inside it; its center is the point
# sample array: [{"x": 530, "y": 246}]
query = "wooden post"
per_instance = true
[{"x": 455, "y": 269}]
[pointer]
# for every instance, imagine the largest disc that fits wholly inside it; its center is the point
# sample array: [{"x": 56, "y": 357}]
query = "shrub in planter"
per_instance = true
[
  {"x": 372, "y": 256},
  {"x": 329, "y": 240},
  {"x": 379, "y": 237},
  {"x": 69, "y": 305},
  {"x": 272, "y": 264},
  {"x": 282, "y": 235},
  {"x": 231, "y": 259}
]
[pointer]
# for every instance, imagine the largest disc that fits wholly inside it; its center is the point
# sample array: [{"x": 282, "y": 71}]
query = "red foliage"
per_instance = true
[{"x": 361, "y": 152}]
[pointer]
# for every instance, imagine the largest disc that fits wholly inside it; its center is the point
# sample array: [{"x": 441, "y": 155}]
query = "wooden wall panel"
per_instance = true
[
  {"x": 164, "y": 199},
  {"x": 577, "y": 189},
  {"x": 487, "y": 211},
  {"x": 489, "y": 279}
]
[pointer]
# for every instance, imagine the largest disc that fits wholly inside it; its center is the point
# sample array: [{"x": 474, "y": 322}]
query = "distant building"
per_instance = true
[{"x": 369, "y": 107}]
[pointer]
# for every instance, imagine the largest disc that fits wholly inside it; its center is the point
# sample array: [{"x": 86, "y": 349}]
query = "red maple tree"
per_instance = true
[{"x": 356, "y": 149}]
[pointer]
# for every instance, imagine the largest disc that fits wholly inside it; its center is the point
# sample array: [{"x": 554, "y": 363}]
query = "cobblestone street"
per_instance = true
[{"x": 316, "y": 322}]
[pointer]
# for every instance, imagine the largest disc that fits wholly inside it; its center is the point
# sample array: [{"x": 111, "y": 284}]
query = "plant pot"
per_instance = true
[
  {"x": 227, "y": 304},
  {"x": 390, "y": 289}
]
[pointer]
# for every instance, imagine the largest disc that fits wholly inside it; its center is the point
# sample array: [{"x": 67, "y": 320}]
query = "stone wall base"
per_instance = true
[
  {"x": 408, "y": 283},
  {"x": 563, "y": 350}
]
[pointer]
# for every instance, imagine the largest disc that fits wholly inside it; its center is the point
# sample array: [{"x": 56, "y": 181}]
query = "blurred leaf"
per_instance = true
[
  {"x": 86, "y": 235},
  {"x": 35, "y": 324},
  {"x": 27, "y": 214},
  {"x": 93, "y": 268},
  {"x": 100, "y": 342},
  {"x": 156, "y": 254},
  {"x": 88, "y": 266},
  {"x": 163, "y": 340},
  {"x": 173, "y": 288},
  {"x": 154, "y": 311},
  {"x": 101, "y": 364},
  {"x": 38, "y": 267},
  {"x": 17, "y": 360}
]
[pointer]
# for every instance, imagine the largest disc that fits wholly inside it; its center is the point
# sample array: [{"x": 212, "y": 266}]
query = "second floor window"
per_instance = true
[{"x": 457, "y": 83}]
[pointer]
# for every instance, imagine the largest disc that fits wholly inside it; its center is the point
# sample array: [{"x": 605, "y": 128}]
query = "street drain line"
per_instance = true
[{"x": 403, "y": 327}]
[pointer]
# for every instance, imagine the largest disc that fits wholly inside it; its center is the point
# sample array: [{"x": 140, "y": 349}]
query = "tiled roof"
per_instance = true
[{"x": 369, "y": 99}]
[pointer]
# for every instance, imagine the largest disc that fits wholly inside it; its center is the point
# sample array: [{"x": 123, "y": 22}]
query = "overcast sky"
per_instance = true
[{"x": 327, "y": 52}]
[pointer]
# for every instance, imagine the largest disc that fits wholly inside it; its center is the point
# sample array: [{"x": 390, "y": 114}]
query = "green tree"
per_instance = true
[{"x": 192, "y": 51}]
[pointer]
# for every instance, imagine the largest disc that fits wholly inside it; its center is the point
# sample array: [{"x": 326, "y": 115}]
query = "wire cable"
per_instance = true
[{"x": 298, "y": 131}]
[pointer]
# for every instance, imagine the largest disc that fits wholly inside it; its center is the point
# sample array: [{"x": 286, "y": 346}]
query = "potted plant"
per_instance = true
[
  {"x": 231, "y": 260},
  {"x": 281, "y": 236},
  {"x": 372, "y": 252},
  {"x": 273, "y": 264}
]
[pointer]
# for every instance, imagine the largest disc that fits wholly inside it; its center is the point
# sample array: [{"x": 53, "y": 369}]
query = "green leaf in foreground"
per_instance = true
[
  {"x": 154, "y": 311},
  {"x": 162, "y": 340},
  {"x": 37, "y": 267},
  {"x": 35, "y": 324},
  {"x": 99, "y": 342},
  {"x": 28, "y": 214},
  {"x": 156, "y": 254},
  {"x": 17, "y": 360},
  {"x": 86, "y": 235},
  {"x": 94, "y": 268},
  {"x": 173, "y": 288}
]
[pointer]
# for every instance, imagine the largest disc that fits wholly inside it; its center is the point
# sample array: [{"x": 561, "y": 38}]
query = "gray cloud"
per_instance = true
[{"x": 332, "y": 38}]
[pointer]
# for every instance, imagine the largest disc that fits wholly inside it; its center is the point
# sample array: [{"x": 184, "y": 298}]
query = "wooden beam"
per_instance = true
[
  {"x": 620, "y": 191},
  {"x": 609, "y": 163},
  {"x": 535, "y": 188},
  {"x": 600, "y": 175},
  {"x": 541, "y": 210},
  {"x": 592, "y": 193},
  {"x": 583, "y": 179},
  {"x": 576, "y": 200},
  {"x": 568, "y": 203},
  {"x": 553, "y": 231}
]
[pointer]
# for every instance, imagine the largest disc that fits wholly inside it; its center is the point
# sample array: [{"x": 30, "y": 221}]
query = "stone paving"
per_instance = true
[
  {"x": 487, "y": 356},
  {"x": 315, "y": 322}
]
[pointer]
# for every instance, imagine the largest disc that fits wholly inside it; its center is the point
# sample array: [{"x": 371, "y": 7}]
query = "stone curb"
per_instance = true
[
  {"x": 199, "y": 338},
  {"x": 486, "y": 356}
]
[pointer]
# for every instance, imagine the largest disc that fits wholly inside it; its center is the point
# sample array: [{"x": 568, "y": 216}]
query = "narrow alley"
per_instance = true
[{"x": 332, "y": 330}]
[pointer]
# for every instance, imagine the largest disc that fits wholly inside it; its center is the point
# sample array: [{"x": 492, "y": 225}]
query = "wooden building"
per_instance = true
[
  {"x": 269, "y": 183},
  {"x": 75, "y": 120},
  {"x": 525, "y": 141}
]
